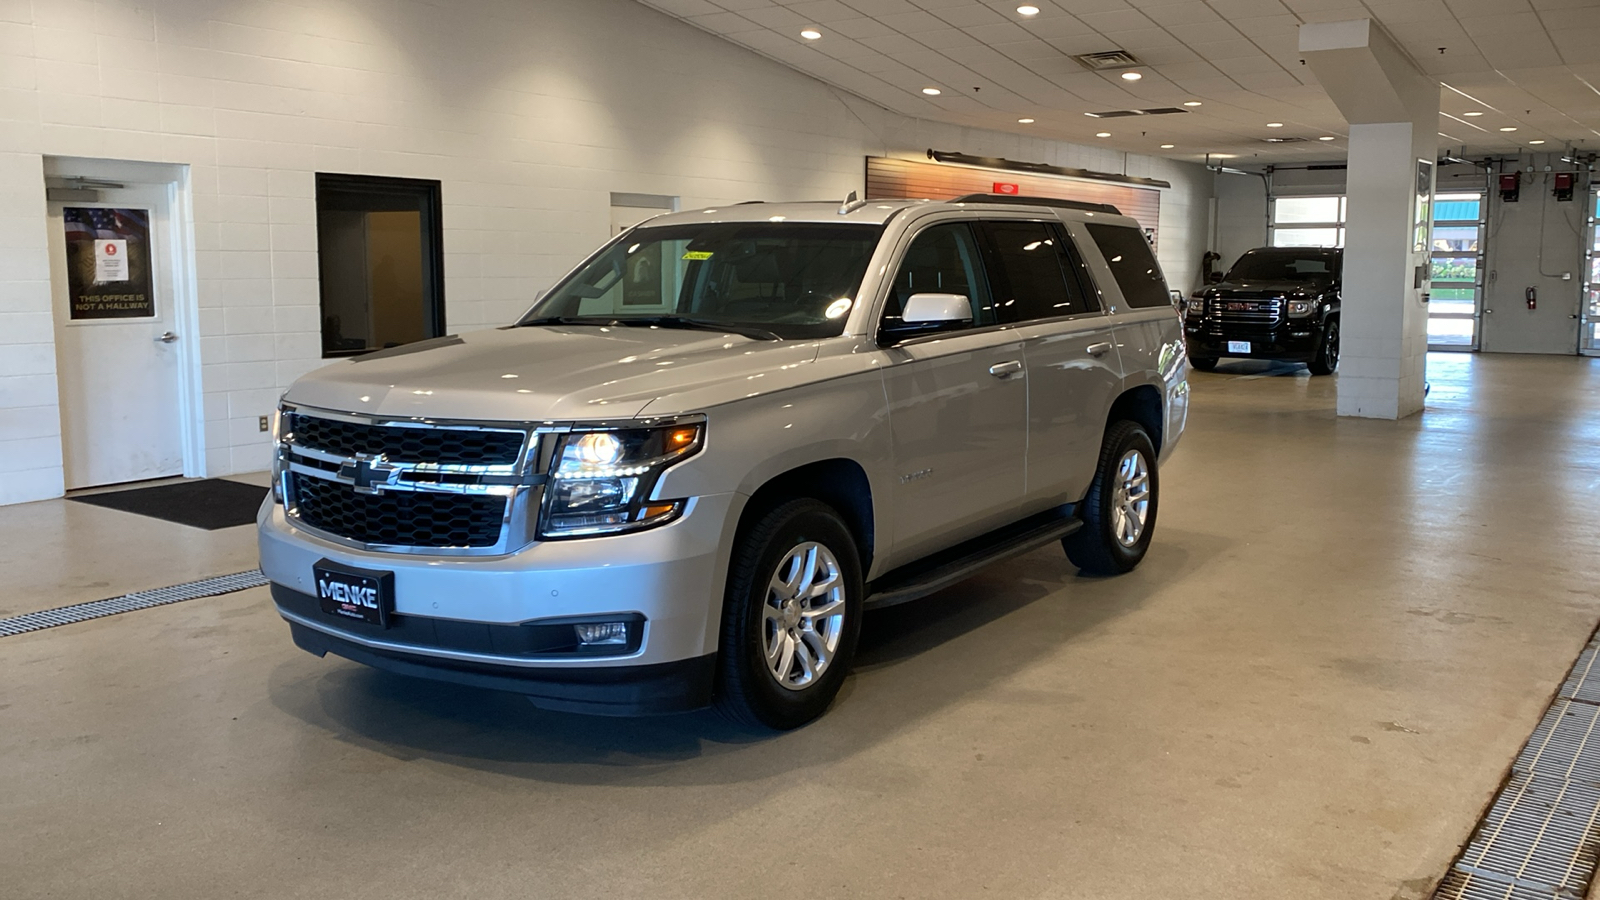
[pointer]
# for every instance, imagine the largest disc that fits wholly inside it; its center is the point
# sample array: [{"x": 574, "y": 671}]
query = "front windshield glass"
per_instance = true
[
  {"x": 1279, "y": 265},
  {"x": 787, "y": 280}
]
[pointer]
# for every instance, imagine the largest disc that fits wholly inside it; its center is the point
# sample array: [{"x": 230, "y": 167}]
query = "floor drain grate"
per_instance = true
[
  {"x": 82, "y": 612},
  {"x": 1540, "y": 837}
]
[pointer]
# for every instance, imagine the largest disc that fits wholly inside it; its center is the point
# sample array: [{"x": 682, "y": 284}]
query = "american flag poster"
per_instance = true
[{"x": 108, "y": 263}]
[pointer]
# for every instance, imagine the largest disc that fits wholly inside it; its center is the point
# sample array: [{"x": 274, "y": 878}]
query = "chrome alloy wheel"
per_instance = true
[
  {"x": 1130, "y": 501},
  {"x": 803, "y": 617}
]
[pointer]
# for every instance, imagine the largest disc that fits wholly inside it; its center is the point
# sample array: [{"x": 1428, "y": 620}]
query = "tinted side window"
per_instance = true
[
  {"x": 943, "y": 260},
  {"x": 1032, "y": 264},
  {"x": 1134, "y": 266}
]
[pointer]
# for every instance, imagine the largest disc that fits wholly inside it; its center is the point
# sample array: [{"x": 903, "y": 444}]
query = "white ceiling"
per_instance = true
[{"x": 1532, "y": 65}]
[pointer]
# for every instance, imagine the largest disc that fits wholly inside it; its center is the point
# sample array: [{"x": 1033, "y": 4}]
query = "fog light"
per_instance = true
[{"x": 602, "y": 634}]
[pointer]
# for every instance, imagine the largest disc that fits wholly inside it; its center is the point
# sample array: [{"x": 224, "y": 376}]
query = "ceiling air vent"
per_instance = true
[
  {"x": 1110, "y": 59},
  {"x": 1121, "y": 113}
]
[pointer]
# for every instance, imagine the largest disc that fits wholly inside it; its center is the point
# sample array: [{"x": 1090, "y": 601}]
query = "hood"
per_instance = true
[
  {"x": 542, "y": 373},
  {"x": 1271, "y": 288}
]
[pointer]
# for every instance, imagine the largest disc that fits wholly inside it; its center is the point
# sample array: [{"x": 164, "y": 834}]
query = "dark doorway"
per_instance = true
[{"x": 380, "y": 261}]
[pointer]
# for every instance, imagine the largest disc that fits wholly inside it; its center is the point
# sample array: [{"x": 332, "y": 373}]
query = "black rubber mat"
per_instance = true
[{"x": 211, "y": 503}]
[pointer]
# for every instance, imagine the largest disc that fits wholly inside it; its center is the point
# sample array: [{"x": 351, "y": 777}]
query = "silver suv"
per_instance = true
[{"x": 687, "y": 472}]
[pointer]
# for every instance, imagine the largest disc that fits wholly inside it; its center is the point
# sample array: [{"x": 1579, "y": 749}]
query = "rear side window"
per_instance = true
[
  {"x": 1132, "y": 264},
  {"x": 943, "y": 259},
  {"x": 1034, "y": 275}
]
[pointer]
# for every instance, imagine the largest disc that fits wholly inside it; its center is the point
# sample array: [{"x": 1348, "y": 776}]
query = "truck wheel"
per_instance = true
[
  {"x": 1119, "y": 515},
  {"x": 790, "y": 617},
  {"x": 1203, "y": 363},
  {"x": 1328, "y": 354}
]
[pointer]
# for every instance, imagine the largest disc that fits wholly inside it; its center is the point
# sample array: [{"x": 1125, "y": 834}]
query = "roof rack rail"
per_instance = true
[{"x": 1016, "y": 200}]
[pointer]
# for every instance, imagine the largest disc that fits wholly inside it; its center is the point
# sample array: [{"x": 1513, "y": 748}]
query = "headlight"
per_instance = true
[
  {"x": 278, "y": 464},
  {"x": 602, "y": 480},
  {"x": 1299, "y": 309}
]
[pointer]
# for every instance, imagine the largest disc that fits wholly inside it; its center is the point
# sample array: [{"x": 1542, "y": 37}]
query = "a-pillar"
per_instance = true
[{"x": 1393, "y": 111}]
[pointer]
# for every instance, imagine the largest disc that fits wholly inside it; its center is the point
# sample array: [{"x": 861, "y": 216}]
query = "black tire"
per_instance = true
[
  {"x": 1328, "y": 351},
  {"x": 747, "y": 691},
  {"x": 1203, "y": 363},
  {"x": 1097, "y": 548}
]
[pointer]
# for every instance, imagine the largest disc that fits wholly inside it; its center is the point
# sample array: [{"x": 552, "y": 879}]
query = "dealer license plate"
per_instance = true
[
  {"x": 350, "y": 593},
  {"x": 1238, "y": 346}
]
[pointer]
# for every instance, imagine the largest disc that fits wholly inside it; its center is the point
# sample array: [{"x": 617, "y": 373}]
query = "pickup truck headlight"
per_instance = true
[
  {"x": 1299, "y": 309},
  {"x": 602, "y": 480},
  {"x": 276, "y": 430}
]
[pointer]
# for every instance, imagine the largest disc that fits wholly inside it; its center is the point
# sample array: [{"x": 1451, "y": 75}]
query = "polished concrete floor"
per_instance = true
[{"x": 1343, "y": 634}]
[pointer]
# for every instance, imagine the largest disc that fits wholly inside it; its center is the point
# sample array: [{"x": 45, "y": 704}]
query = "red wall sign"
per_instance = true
[{"x": 1001, "y": 187}]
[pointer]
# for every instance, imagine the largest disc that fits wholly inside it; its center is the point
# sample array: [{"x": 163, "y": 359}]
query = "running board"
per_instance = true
[{"x": 935, "y": 573}]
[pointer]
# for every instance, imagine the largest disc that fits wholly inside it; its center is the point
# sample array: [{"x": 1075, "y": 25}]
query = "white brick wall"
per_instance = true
[{"x": 530, "y": 113}]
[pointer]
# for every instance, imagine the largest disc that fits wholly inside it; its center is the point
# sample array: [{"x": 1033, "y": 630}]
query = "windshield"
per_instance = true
[
  {"x": 1278, "y": 265},
  {"x": 793, "y": 281}
]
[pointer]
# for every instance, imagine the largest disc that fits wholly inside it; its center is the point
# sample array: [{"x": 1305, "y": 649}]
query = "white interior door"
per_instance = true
[{"x": 116, "y": 345}]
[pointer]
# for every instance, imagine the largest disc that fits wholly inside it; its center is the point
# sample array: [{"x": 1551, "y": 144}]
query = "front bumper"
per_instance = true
[
  {"x": 456, "y": 615},
  {"x": 1292, "y": 341}
]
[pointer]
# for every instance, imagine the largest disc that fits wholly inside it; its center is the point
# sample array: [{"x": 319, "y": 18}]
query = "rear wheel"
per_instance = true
[
  {"x": 790, "y": 618},
  {"x": 1203, "y": 363},
  {"x": 1119, "y": 515},
  {"x": 1327, "y": 359}
]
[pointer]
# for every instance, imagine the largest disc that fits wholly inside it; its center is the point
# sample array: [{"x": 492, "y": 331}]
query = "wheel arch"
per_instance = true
[
  {"x": 1141, "y": 404},
  {"x": 840, "y": 482}
]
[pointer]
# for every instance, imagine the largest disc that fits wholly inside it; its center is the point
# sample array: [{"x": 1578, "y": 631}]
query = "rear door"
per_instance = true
[
  {"x": 958, "y": 403},
  {"x": 1070, "y": 351}
]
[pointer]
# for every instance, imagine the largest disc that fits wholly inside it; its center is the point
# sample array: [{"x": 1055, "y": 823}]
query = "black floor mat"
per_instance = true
[{"x": 211, "y": 503}]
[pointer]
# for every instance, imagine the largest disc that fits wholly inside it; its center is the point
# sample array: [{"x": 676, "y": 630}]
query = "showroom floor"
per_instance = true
[{"x": 1344, "y": 632}]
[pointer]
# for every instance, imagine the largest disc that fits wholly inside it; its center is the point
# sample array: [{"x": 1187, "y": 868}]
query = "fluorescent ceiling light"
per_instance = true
[
  {"x": 1274, "y": 124},
  {"x": 1327, "y": 137},
  {"x": 1024, "y": 121},
  {"x": 1026, "y": 10},
  {"x": 1474, "y": 113},
  {"x": 811, "y": 34},
  {"x": 1103, "y": 134},
  {"x": 1536, "y": 142},
  {"x": 1509, "y": 128},
  {"x": 931, "y": 92},
  {"x": 1191, "y": 103},
  {"x": 1166, "y": 146},
  {"x": 1131, "y": 76}
]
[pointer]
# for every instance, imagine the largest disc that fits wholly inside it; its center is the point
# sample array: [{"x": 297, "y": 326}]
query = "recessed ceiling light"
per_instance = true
[
  {"x": 1024, "y": 121},
  {"x": 931, "y": 92},
  {"x": 810, "y": 34},
  {"x": 1327, "y": 137},
  {"x": 1536, "y": 142},
  {"x": 1191, "y": 103},
  {"x": 1474, "y": 113},
  {"x": 1274, "y": 124},
  {"x": 1509, "y": 128},
  {"x": 1026, "y": 10},
  {"x": 1103, "y": 134},
  {"x": 1166, "y": 146},
  {"x": 1131, "y": 76}
]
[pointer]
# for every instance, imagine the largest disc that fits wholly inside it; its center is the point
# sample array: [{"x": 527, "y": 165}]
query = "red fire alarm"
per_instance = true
[
  {"x": 1510, "y": 187},
  {"x": 1001, "y": 187},
  {"x": 1563, "y": 182}
]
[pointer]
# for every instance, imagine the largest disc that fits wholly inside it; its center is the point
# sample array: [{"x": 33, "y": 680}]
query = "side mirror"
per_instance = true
[
  {"x": 936, "y": 309},
  {"x": 1177, "y": 299}
]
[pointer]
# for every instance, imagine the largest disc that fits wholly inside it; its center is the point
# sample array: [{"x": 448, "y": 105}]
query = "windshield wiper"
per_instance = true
[
  {"x": 568, "y": 320},
  {"x": 749, "y": 331}
]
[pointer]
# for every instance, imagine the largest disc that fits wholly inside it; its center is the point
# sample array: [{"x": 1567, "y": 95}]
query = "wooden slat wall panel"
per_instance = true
[{"x": 896, "y": 178}]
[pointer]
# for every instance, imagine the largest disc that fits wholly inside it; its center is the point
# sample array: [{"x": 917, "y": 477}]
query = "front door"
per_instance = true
[
  {"x": 116, "y": 354},
  {"x": 958, "y": 405}
]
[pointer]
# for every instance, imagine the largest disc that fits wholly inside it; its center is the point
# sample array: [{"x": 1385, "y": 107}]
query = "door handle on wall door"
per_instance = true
[
  {"x": 1009, "y": 367},
  {"x": 166, "y": 338},
  {"x": 1100, "y": 349}
]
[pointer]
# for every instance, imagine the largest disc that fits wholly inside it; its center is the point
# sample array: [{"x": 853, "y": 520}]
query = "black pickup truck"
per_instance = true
[{"x": 1275, "y": 303}]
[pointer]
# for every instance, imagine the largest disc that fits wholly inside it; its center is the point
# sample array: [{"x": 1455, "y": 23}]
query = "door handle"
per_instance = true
[
  {"x": 166, "y": 338},
  {"x": 1009, "y": 367},
  {"x": 1100, "y": 349}
]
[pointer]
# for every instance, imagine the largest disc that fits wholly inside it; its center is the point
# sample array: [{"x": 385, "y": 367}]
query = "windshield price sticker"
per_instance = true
[{"x": 697, "y": 254}]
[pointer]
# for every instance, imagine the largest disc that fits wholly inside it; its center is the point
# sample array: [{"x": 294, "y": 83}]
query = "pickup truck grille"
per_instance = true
[
  {"x": 1245, "y": 312},
  {"x": 409, "y": 486}
]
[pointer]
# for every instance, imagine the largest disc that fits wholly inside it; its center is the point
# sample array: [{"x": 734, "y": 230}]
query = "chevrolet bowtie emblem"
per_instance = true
[{"x": 370, "y": 474}]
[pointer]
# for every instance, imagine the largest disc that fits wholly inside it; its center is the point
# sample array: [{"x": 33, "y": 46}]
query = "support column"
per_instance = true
[{"x": 1393, "y": 111}]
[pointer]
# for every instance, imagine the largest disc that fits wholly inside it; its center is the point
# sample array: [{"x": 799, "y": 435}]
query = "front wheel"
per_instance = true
[
  {"x": 1203, "y": 363},
  {"x": 1327, "y": 358},
  {"x": 1119, "y": 515},
  {"x": 790, "y": 618}
]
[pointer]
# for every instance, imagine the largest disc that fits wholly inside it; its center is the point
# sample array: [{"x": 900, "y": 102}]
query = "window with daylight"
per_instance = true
[
  {"x": 380, "y": 262},
  {"x": 1308, "y": 221},
  {"x": 1456, "y": 255}
]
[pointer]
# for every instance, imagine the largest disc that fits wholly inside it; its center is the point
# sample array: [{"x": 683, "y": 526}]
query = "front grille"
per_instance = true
[
  {"x": 405, "y": 443},
  {"x": 398, "y": 518},
  {"x": 1246, "y": 312}
]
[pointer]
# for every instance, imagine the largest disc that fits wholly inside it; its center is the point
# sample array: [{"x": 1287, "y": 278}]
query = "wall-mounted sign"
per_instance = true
[
  {"x": 108, "y": 263},
  {"x": 1001, "y": 187}
]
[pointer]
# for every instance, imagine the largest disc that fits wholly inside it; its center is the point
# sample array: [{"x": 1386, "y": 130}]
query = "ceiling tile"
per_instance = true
[
  {"x": 1486, "y": 7},
  {"x": 777, "y": 17},
  {"x": 724, "y": 23},
  {"x": 913, "y": 22},
  {"x": 880, "y": 7},
  {"x": 1116, "y": 20},
  {"x": 970, "y": 15},
  {"x": 1225, "y": 49},
  {"x": 821, "y": 12},
  {"x": 1244, "y": 9},
  {"x": 1181, "y": 14},
  {"x": 681, "y": 8},
  {"x": 948, "y": 37}
]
